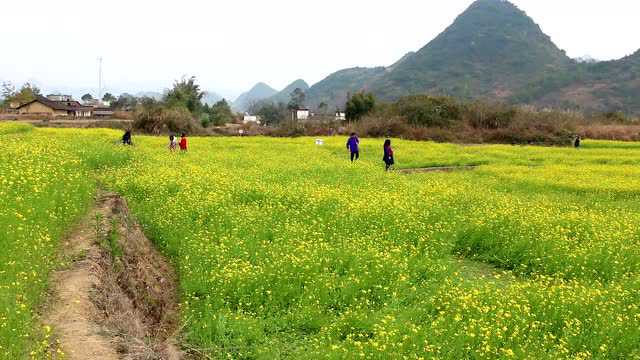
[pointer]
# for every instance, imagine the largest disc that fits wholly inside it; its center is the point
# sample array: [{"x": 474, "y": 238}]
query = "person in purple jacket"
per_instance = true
[{"x": 353, "y": 144}]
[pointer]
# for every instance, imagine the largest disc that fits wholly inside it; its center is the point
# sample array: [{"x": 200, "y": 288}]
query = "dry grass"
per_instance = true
[
  {"x": 137, "y": 296},
  {"x": 610, "y": 132}
]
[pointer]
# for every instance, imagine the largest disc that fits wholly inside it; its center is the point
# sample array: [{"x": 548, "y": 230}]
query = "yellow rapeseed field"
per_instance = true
[{"x": 285, "y": 249}]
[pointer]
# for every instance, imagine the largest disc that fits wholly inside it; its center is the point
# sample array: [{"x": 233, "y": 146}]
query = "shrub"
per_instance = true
[
  {"x": 430, "y": 111},
  {"x": 482, "y": 115},
  {"x": 375, "y": 126},
  {"x": 359, "y": 105},
  {"x": 156, "y": 118}
]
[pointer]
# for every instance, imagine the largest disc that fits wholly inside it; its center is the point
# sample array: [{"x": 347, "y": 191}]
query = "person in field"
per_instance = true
[
  {"x": 353, "y": 144},
  {"x": 173, "y": 143},
  {"x": 577, "y": 141},
  {"x": 126, "y": 138},
  {"x": 183, "y": 142},
  {"x": 388, "y": 155}
]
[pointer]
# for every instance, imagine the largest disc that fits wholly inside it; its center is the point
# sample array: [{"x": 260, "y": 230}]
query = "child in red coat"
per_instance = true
[{"x": 183, "y": 142}]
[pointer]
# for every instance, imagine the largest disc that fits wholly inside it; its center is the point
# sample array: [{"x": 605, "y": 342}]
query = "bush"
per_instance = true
[
  {"x": 155, "y": 118},
  {"x": 482, "y": 115},
  {"x": 359, "y": 105},
  {"x": 375, "y": 126},
  {"x": 429, "y": 111}
]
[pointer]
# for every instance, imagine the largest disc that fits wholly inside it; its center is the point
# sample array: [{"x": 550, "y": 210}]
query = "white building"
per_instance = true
[
  {"x": 250, "y": 119},
  {"x": 59, "y": 97},
  {"x": 303, "y": 114},
  {"x": 340, "y": 116}
]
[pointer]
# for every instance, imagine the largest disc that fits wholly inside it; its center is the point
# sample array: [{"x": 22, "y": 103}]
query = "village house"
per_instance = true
[
  {"x": 59, "y": 97},
  {"x": 302, "y": 114},
  {"x": 55, "y": 106},
  {"x": 250, "y": 119}
]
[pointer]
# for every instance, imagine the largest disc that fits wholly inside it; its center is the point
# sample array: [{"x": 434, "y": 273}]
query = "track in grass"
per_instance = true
[{"x": 118, "y": 297}]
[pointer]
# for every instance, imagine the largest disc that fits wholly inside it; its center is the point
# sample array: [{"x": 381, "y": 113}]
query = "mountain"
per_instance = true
[
  {"x": 211, "y": 97},
  {"x": 335, "y": 88},
  {"x": 285, "y": 94},
  {"x": 490, "y": 50},
  {"x": 259, "y": 92},
  {"x": 586, "y": 59},
  {"x": 593, "y": 87},
  {"x": 493, "y": 50},
  {"x": 150, "y": 94}
]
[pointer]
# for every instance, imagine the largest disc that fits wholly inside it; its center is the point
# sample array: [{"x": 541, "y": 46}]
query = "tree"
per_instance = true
[
  {"x": 220, "y": 113},
  {"x": 297, "y": 99},
  {"x": 108, "y": 97},
  {"x": 269, "y": 112},
  {"x": 322, "y": 108},
  {"x": 87, "y": 97},
  {"x": 8, "y": 90},
  {"x": 186, "y": 93},
  {"x": 26, "y": 93},
  {"x": 125, "y": 101},
  {"x": 359, "y": 105}
]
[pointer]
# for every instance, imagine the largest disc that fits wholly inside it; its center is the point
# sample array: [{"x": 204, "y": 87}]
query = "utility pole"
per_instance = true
[{"x": 100, "y": 78}]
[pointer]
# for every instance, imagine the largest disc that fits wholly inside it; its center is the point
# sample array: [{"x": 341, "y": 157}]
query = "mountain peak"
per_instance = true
[
  {"x": 262, "y": 87},
  {"x": 300, "y": 83},
  {"x": 491, "y": 48},
  {"x": 259, "y": 91}
]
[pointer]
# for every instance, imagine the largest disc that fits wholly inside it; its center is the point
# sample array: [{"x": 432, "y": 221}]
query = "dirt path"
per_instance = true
[
  {"x": 117, "y": 299},
  {"x": 438, "y": 169}
]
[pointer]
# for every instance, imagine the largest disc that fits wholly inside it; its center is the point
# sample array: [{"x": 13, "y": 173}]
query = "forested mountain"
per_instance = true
[
  {"x": 258, "y": 92},
  {"x": 285, "y": 94},
  {"x": 335, "y": 89},
  {"x": 601, "y": 87},
  {"x": 494, "y": 50}
]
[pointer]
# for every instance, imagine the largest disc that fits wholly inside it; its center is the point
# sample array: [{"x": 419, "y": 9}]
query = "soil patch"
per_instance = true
[
  {"x": 476, "y": 270},
  {"x": 438, "y": 169},
  {"x": 117, "y": 299}
]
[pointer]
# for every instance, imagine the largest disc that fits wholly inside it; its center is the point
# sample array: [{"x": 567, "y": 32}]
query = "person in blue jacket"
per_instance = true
[{"x": 353, "y": 144}]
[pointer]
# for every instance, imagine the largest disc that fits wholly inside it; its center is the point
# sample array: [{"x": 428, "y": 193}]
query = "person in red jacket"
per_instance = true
[{"x": 183, "y": 142}]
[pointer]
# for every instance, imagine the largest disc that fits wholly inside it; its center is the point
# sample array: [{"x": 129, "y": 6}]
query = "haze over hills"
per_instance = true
[
  {"x": 285, "y": 94},
  {"x": 335, "y": 89},
  {"x": 258, "y": 92},
  {"x": 150, "y": 94},
  {"x": 493, "y": 50},
  {"x": 603, "y": 86},
  {"x": 211, "y": 97}
]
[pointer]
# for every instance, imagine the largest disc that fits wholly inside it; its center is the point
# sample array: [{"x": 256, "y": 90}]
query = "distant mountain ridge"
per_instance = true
[
  {"x": 210, "y": 97},
  {"x": 258, "y": 92},
  {"x": 493, "y": 50},
  {"x": 284, "y": 95}
]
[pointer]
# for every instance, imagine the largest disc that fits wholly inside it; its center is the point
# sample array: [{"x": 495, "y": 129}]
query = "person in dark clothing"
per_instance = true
[
  {"x": 126, "y": 138},
  {"x": 353, "y": 144},
  {"x": 388, "y": 155},
  {"x": 576, "y": 142}
]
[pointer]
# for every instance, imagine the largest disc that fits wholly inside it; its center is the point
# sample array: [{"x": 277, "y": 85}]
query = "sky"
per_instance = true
[{"x": 231, "y": 45}]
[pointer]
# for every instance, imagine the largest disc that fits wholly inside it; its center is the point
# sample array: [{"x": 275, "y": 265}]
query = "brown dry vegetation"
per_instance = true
[{"x": 118, "y": 299}]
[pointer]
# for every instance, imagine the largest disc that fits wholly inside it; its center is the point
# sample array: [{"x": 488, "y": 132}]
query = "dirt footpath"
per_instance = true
[{"x": 117, "y": 299}]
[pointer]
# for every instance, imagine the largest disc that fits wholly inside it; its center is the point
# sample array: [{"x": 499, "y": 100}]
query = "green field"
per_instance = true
[{"x": 286, "y": 250}]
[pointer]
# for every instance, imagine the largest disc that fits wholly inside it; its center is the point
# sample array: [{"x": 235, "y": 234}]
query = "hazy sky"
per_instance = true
[{"x": 231, "y": 45}]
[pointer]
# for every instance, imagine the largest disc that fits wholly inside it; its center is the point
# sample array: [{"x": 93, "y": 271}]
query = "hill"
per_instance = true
[
  {"x": 285, "y": 94},
  {"x": 603, "y": 87},
  {"x": 335, "y": 88},
  {"x": 490, "y": 50},
  {"x": 211, "y": 97},
  {"x": 258, "y": 92},
  {"x": 494, "y": 50},
  {"x": 150, "y": 94}
]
